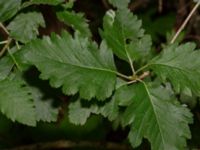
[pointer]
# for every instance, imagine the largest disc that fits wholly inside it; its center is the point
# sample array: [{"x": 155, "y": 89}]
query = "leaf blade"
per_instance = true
[
  {"x": 123, "y": 33},
  {"x": 43, "y": 2},
  {"x": 149, "y": 119},
  {"x": 45, "y": 111},
  {"x": 18, "y": 105},
  {"x": 75, "y": 64},
  {"x": 76, "y": 21},
  {"x": 78, "y": 114},
  {"x": 8, "y": 9},
  {"x": 180, "y": 65},
  {"x": 24, "y": 27},
  {"x": 6, "y": 65}
]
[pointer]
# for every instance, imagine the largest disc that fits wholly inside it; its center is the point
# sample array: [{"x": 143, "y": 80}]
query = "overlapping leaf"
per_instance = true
[
  {"x": 6, "y": 65},
  {"x": 76, "y": 21},
  {"x": 79, "y": 114},
  {"x": 109, "y": 110},
  {"x": 122, "y": 97},
  {"x": 155, "y": 116},
  {"x": 44, "y": 2},
  {"x": 181, "y": 65},
  {"x": 74, "y": 63},
  {"x": 8, "y": 8},
  {"x": 124, "y": 35},
  {"x": 16, "y": 102},
  {"x": 25, "y": 26},
  {"x": 45, "y": 111}
]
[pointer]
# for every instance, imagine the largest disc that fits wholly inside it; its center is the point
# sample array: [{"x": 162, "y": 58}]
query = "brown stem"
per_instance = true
[
  {"x": 185, "y": 22},
  {"x": 144, "y": 75},
  {"x": 64, "y": 144},
  {"x": 141, "y": 77}
]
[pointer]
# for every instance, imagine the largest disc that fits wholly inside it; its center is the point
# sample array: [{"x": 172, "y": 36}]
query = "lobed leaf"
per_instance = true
[
  {"x": 44, "y": 2},
  {"x": 123, "y": 33},
  {"x": 24, "y": 27},
  {"x": 16, "y": 102},
  {"x": 122, "y": 97},
  {"x": 180, "y": 65},
  {"x": 76, "y": 21},
  {"x": 45, "y": 111},
  {"x": 78, "y": 114},
  {"x": 154, "y": 115},
  {"x": 109, "y": 110},
  {"x": 74, "y": 63},
  {"x": 26, "y": 98}
]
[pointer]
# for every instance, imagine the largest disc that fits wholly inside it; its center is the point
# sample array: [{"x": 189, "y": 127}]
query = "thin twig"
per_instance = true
[
  {"x": 4, "y": 28},
  {"x": 3, "y": 42},
  {"x": 185, "y": 22},
  {"x": 133, "y": 81},
  {"x": 124, "y": 76},
  {"x": 141, "y": 77},
  {"x": 144, "y": 75},
  {"x": 5, "y": 47},
  {"x": 64, "y": 144}
]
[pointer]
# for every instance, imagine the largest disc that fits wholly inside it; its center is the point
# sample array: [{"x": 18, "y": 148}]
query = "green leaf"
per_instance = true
[
  {"x": 6, "y": 65},
  {"x": 76, "y": 21},
  {"x": 109, "y": 110},
  {"x": 25, "y": 26},
  {"x": 119, "y": 95},
  {"x": 8, "y": 8},
  {"x": 16, "y": 102},
  {"x": 40, "y": 102},
  {"x": 45, "y": 111},
  {"x": 69, "y": 4},
  {"x": 119, "y": 3},
  {"x": 74, "y": 63},
  {"x": 78, "y": 114},
  {"x": 44, "y": 2},
  {"x": 180, "y": 65},
  {"x": 155, "y": 115},
  {"x": 140, "y": 48},
  {"x": 123, "y": 34}
]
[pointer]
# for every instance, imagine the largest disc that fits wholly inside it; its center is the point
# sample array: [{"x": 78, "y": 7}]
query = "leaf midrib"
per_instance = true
[
  {"x": 81, "y": 66},
  {"x": 157, "y": 120},
  {"x": 170, "y": 66}
]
